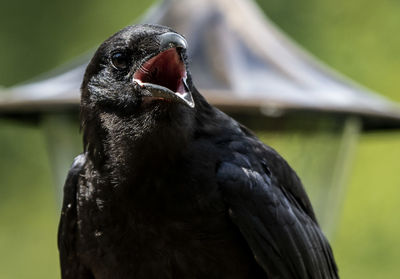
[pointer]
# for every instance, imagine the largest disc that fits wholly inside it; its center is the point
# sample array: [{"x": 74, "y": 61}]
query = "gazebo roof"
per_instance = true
[{"x": 239, "y": 60}]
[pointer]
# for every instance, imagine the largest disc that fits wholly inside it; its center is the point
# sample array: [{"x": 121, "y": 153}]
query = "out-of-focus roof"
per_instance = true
[{"x": 239, "y": 59}]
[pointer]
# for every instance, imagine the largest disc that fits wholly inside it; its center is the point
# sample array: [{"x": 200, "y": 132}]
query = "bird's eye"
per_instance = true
[{"x": 120, "y": 60}]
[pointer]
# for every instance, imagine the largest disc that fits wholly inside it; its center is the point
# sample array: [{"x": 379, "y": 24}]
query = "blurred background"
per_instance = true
[{"x": 359, "y": 38}]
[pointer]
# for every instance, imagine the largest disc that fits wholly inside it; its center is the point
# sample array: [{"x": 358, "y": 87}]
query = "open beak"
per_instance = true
[{"x": 164, "y": 75}]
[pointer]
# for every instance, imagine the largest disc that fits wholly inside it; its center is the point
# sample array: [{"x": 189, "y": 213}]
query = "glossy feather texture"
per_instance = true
[{"x": 168, "y": 190}]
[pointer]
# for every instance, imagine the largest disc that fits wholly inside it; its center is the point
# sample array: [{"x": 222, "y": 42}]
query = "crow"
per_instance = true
[{"x": 168, "y": 186}]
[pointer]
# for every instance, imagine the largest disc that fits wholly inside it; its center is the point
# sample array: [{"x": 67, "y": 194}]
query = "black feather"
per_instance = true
[{"x": 168, "y": 190}]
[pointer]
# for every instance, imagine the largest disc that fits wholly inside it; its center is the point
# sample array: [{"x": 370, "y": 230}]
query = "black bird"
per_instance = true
[{"x": 170, "y": 187}]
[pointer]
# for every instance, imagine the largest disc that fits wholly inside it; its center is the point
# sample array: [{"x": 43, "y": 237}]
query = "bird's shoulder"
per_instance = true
[
  {"x": 243, "y": 155},
  {"x": 268, "y": 203},
  {"x": 68, "y": 211},
  {"x": 67, "y": 229},
  {"x": 71, "y": 184}
]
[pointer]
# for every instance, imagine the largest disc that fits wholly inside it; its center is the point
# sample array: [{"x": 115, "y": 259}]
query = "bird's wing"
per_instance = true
[
  {"x": 67, "y": 229},
  {"x": 273, "y": 214}
]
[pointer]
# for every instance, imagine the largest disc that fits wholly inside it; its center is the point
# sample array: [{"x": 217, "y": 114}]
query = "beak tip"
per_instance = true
[{"x": 170, "y": 40}]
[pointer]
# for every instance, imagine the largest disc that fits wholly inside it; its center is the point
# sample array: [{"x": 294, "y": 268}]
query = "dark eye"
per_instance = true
[{"x": 120, "y": 60}]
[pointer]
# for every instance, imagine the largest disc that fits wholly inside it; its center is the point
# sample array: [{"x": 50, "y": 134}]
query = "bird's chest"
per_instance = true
[
  {"x": 154, "y": 237},
  {"x": 124, "y": 244},
  {"x": 126, "y": 248}
]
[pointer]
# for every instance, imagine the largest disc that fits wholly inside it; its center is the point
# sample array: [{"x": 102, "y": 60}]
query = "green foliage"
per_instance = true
[
  {"x": 367, "y": 242},
  {"x": 28, "y": 211},
  {"x": 358, "y": 38}
]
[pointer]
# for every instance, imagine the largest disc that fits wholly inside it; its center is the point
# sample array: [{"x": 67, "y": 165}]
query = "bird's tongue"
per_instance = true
[{"x": 166, "y": 69}]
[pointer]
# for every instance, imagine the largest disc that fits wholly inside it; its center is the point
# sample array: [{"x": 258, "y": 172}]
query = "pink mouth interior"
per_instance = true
[{"x": 166, "y": 69}]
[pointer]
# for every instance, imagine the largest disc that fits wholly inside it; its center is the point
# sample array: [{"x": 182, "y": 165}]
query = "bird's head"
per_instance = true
[
  {"x": 136, "y": 83},
  {"x": 139, "y": 65}
]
